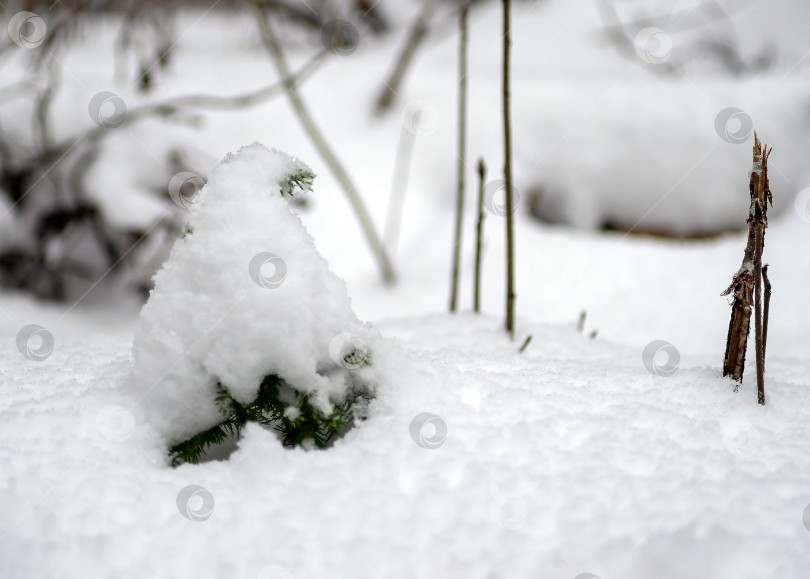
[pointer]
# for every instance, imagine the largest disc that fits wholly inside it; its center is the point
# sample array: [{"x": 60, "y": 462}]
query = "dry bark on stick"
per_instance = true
[
  {"x": 747, "y": 283},
  {"x": 761, "y": 195}
]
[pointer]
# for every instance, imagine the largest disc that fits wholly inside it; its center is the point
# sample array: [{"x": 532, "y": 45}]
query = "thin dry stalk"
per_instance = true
[
  {"x": 507, "y": 171},
  {"x": 462, "y": 151},
  {"x": 766, "y": 309},
  {"x": 479, "y": 235},
  {"x": 581, "y": 323},
  {"x": 399, "y": 186},
  {"x": 526, "y": 343}
]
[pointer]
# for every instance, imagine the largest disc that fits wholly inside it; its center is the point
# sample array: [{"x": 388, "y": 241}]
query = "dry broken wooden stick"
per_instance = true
[{"x": 746, "y": 287}]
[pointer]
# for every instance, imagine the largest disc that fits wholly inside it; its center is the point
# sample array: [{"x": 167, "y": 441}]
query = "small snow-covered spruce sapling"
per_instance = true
[
  {"x": 298, "y": 409},
  {"x": 746, "y": 287},
  {"x": 281, "y": 407}
]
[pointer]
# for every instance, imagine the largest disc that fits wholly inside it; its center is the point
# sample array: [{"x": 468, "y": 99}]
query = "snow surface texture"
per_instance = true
[
  {"x": 244, "y": 294},
  {"x": 567, "y": 459},
  {"x": 570, "y": 458}
]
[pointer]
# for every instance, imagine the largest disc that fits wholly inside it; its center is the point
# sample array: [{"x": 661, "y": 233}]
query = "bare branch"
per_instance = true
[
  {"x": 319, "y": 142},
  {"x": 416, "y": 35}
]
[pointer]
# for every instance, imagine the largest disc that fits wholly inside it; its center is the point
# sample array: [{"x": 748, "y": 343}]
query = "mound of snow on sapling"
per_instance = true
[{"x": 247, "y": 322}]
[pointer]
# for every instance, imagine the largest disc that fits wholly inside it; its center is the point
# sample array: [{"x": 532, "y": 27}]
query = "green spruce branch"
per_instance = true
[
  {"x": 277, "y": 405},
  {"x": 301, "y": 179}
]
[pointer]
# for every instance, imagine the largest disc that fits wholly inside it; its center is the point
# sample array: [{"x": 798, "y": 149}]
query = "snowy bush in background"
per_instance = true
[
  {"x": 64, "y": 230},
  {"x": 246, "y": 321},
  {"x": 635, "y": 126}
]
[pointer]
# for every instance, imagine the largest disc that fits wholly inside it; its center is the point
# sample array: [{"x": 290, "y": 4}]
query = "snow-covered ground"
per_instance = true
[{"x": 571, "y": 459}]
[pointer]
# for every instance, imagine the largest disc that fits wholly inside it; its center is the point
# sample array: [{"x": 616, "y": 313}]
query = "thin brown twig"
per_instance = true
[
  {"x": 479, "y": 235},
  {"x": 525, "y": 343},
  {"x": 464, "y": 14},
  {"x": 766, "y": 309},
  {"x": 507, "y": 129}
]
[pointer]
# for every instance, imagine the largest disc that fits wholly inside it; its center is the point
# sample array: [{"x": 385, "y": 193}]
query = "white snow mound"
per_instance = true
[{"x": 243, "y": 294}]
